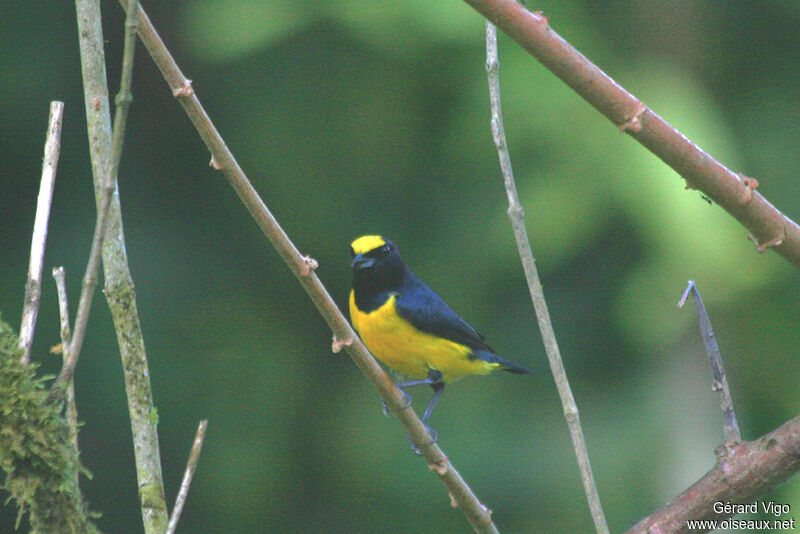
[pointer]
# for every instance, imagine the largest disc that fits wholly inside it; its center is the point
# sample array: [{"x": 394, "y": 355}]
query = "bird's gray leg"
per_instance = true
[
  {"x": 435, "y": 381},
  {"x": 434, "y": 378}
]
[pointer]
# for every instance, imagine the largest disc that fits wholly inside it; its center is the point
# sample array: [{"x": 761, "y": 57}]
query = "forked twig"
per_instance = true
[
  {"x": 33, "y": 287},
  {"x": 732, "y": 433},
  {"x": 191, "y": 466},
  {"x": 516, "y": 214}
]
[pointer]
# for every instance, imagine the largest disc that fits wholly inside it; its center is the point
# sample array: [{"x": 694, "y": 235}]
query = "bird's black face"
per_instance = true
[{"x": 379, "y": 267}]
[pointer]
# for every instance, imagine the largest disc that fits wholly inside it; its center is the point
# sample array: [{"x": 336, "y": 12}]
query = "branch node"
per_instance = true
[
  {"x": 762, "y": 247},
  {"x": 109, "y": 188},
  {"x": 545, "y": 18},
  {"x": 185, "y": 90},
  {"x": 439, "y": 466},
  {"x": 123, "y": 98},
  {"x": 214, "y": 164},
  {"x": 750, "y": 185},
  {"x": 634, "y": 124},
  {"x": 516, "y": 211},
  {"x": 309, "y": 264},
  {"x": 453, "y": 502},
  {"x": 338, "y": 344}
]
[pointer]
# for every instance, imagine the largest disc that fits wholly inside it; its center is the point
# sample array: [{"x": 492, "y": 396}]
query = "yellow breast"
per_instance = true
[{"x": 401, "y": 346}]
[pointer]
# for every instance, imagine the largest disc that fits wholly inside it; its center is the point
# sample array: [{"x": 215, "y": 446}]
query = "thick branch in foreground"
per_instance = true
[
  {"x": 744, "y": 471},
  {"x": 303, "y": 268},
  {"x": 768, "y": 227},
  {"x": 119, "y": 290},
  {"x": 516, "y": 215}
]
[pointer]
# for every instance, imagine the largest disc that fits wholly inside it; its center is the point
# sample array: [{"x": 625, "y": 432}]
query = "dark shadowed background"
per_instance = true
[{"x": 358, "y": 117}]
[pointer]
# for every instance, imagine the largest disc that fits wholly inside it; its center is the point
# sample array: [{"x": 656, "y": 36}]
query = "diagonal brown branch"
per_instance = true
[
  {"x": 744, "y": 471},
  {"x": 768, "y": 227},
  {"x": 303, "y": 268}
]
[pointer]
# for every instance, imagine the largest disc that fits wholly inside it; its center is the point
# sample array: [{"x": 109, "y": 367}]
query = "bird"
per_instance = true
[{"x": 410, "y": 328}]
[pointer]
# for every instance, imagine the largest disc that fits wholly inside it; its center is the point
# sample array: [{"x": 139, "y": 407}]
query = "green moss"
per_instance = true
[
  {"x": 41, "y": 466},
  {"x": 152, "y": 415}
]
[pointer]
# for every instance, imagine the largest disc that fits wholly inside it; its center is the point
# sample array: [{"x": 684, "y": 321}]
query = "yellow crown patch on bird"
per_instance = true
[
  {"x": 409, "y": 328},
  {"x": 364, "y": 244}
]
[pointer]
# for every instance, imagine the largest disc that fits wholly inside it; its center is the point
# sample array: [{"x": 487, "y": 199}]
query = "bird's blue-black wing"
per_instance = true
[{"x": 423, "y": 308}]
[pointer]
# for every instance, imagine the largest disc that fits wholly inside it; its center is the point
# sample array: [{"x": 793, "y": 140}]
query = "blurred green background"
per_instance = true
[{"x": 357, "y": 117}]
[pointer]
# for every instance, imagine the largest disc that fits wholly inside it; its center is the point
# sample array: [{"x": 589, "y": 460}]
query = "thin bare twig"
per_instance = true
[
  {"x": 87, "y": 294},
  {"x": 744, "y": 471},
  {"x": 732, "y": 433},
  {"x": 124, "y": 96},
  {"x": 63, "y": 309},
  {"x": 191, "y": 466},
  {"x": 516, "y": 215},
  {"x": 119, "y": 290},
  {"x": 303, "y": 268},
  {"x": 768, "y": 227},
  {"x": 33, "y": 287}
]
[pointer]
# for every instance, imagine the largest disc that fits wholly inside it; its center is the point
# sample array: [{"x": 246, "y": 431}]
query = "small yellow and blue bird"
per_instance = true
[{"x": 409, "y": 328}]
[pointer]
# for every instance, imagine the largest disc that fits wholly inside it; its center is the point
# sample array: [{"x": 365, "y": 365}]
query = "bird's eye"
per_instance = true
[{"x": 385, "y": 250}]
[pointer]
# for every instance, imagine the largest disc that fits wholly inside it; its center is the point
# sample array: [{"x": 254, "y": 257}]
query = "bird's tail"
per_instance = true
[
  {"x": 512, "y": 367},
  {"x": 505, "y": 365}
]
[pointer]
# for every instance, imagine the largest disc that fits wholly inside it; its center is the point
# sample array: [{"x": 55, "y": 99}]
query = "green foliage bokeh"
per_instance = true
[{"x": 354, "y": 117}]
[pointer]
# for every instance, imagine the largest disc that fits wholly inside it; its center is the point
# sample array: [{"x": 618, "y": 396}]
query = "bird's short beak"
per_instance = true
[{"x": 362, "y": 262}]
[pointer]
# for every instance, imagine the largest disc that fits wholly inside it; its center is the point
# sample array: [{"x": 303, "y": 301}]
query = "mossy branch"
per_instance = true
[
  {"x": 119, "y": 290},
  {"x": 36, "y": 451}
]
